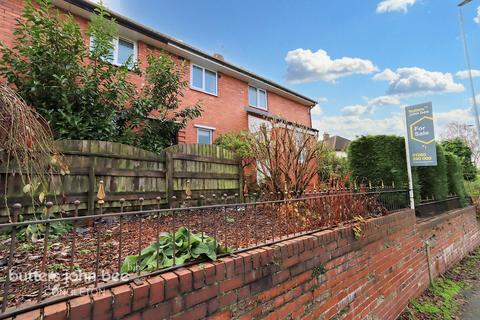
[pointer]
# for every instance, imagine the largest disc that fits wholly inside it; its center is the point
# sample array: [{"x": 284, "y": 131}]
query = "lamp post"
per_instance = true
[{"x": 469, "y": 68}]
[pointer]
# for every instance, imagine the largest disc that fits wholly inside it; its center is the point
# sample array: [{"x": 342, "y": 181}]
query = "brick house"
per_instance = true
[
  {"x": 337, "y": 143},
  {"x": 233, "y": 98}
]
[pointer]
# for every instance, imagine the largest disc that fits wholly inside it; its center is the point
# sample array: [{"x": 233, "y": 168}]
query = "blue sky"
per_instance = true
[{"x": 362, "y": 60}]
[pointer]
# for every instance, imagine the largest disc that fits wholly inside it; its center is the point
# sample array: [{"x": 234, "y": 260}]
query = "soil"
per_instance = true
[{"x": 236, "y": 228}]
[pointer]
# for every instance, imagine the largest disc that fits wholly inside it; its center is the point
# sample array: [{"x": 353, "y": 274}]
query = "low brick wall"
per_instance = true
[{"x": 317, "y": 276}]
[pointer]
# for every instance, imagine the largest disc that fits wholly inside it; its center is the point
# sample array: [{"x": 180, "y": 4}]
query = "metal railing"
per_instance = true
[{"x": 40, "y": 257}]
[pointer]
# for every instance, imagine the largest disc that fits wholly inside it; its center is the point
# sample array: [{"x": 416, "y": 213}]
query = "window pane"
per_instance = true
[
  {"x": 204, "y": 136},
  {"x": 197, "y": 77},
  {"x": 252, "y": 96},
  {"x": 125, "y": 51},
  {"x": 210, "y": 81},
  {"x": 97, "y": 51},
  {"x": 262, "y": 99}
]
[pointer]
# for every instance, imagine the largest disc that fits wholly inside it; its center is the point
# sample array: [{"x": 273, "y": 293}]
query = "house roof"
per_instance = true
[
  {"x": 179, "y": 47},
  {"x": 337, "y": 143}
]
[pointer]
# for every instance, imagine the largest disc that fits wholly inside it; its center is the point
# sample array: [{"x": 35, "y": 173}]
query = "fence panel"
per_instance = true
[
  {"x": 131, "y": 173},
  {"x": 207, "y": 170}
]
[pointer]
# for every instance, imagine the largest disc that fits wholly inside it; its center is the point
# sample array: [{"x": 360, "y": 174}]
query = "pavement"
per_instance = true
[{"x": 472, "y": 307}]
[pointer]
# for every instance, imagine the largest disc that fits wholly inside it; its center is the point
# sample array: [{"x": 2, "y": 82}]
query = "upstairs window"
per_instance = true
[
  {"x": 257, "y": 97},
  {"x": 203, "y": 79},
  {"x": 124, "y": 51}
]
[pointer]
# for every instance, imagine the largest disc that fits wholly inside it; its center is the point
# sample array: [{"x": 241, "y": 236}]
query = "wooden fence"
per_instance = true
[{"x": 131, "y": 173}]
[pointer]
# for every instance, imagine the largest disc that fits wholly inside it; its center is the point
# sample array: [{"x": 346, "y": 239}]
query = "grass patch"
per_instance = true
[{"x": 443, "y": 299}]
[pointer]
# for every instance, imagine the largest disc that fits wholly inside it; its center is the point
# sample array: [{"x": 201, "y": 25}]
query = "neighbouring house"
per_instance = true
[
  {"x": 336, "y": 143},
  {"x": 233, "y": 98}
]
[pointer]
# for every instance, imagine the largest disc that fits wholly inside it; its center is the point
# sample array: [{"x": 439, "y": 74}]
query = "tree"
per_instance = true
[
  {"x": 80, "y": 93},
  {"x": 460, "y": 148},
  {"x": 329, "y": 165},
  {"x": 155, "y": 117},
  {"x": 467, "y": 133},
  {"x": 285, "y": 157},
  {"x": 48, "y": 67}
]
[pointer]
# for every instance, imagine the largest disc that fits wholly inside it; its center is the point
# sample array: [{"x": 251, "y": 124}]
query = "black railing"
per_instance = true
[
  {"x": 70, "y": 255},
  {"x": 430, "y": 208}
]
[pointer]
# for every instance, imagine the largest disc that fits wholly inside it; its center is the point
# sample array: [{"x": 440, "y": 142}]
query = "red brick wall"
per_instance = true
[
  {"x": 224, "y": 112},
  {"x": 10, "y": 10},
  {"x": 370, "y": 278}
]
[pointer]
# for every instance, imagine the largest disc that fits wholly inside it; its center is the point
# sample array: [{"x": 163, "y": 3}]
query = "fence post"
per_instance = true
[
  {"x": 240, "y": 179},
  {"x": 169, "y": 177},
  {"x": 91, "y": 190}
]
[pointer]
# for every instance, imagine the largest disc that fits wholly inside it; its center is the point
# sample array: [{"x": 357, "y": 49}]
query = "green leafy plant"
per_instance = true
[
  {"x": 444, "y": 305},
  {"x": 381, "y": 159},
  {"x": 433, "y": 180},
  {"x": 48, "y": 67},
  {"x": 80, "y": 93},
  {"x": 377, "y": 159},
  {"x": 240, "y": 143},
  {"x": 455, "y": 177},
  {"x": 461, "y": 149},
  {"x": 156, "y": 115},
  {"x": 319, "y": 270},
  {"x": 329, "y": 165},
  {"x": 357, "y": 228},
  {"x": 33, "y": 232},
  {"x": 188, "y": 246}
]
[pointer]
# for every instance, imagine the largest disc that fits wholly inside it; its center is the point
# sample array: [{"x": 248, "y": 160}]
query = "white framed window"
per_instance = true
[
  {"x": 203, "y": 80},
  {"x": 123, "y": 49},
  {"x": 257, "y": 98},
  {"x": 204, "y": 135},
  {"x": 300, "y": 137}
]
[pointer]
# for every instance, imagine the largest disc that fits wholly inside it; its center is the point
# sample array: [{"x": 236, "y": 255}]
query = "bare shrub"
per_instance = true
[
  {"x": 285, "y": 157},
  {"x": 26, "y": 147}
]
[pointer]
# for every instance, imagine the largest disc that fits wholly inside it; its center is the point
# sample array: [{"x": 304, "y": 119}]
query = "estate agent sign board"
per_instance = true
[{"x": 420, "y": 135}]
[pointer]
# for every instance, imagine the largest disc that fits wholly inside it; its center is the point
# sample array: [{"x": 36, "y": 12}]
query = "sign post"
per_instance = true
[{"x": 420, "y": 143}]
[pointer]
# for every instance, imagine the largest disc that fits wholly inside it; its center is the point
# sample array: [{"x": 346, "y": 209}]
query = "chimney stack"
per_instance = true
[{"x": 218, "y": 56}]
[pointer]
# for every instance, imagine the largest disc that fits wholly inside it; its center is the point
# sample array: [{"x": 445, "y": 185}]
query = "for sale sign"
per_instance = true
[{"x": 421, "y": 135}]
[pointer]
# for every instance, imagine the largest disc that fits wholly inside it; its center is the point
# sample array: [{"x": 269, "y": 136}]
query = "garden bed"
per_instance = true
[{"x": 235, "y": 227}]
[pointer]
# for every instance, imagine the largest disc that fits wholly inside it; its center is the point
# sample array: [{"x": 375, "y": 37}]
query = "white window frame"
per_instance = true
[
  {"x": 204, "y": 128},
  {"x": 203, "y": 80},
  {"x": 115, "y": 42},
  {"x": 258, "y": 97}
]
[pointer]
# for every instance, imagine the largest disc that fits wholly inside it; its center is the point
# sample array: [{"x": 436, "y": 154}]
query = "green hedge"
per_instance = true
[
  {"x": 434, "y": 180},
  {"x": 455, "y": 176},
  {"x": 378, "y": 159},
  {"x": 381, "y": 158},
  {"x": 460, "y": 148}
]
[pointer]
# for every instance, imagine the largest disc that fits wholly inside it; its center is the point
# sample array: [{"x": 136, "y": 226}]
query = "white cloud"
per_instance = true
[
  {"x": 462, "y": 115},
  {"x": 417, "y": 81},
  {"x": 317, "y": 110},
  {"x": 384, "y": 101},
  {"x": 356, "y": 125},
  {"x": 386, "y": 75},
  {"x": 307, "y": 66},
  {"x": 477, "y": 18},
  {"x": 356, "y": 109},
  {"x": 394, "y": 5},
  {"x": 369, "y": 107},
  {"x": 464, "y": 74}
]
